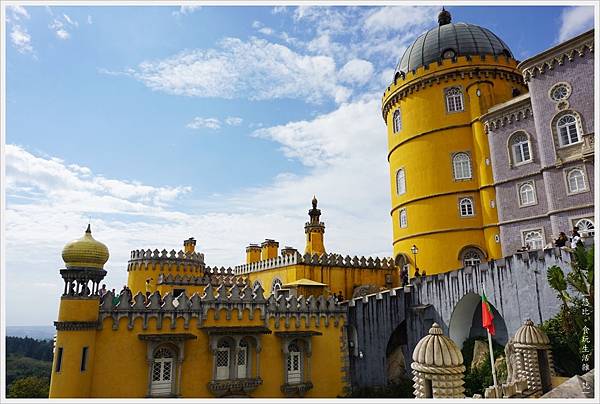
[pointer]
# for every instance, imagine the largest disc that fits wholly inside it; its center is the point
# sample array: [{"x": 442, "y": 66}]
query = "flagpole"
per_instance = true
[{"x": 492, "y": 354}]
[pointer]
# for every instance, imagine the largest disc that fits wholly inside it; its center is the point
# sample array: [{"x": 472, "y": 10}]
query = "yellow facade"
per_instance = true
[
  {"x": 424, "y": 147},
  {"x": 193, "y": 311}
]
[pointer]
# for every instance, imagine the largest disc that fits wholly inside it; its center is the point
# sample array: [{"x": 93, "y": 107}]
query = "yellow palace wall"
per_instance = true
[
  {"x": 424, "y": 148},
  {"x": 117, "y": 367}
]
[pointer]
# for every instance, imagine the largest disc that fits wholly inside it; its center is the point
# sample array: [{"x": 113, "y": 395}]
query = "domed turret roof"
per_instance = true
[
  {"x": 450, "y": 40},
  {"x": 85, "y": 252},
  {"x": 529, "y": 334},
  {"x": 437, "y": 350}
]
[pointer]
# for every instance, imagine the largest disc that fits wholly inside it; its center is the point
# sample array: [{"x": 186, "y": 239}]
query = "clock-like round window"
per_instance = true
[
  {"x": 560, "y": 92},
  {"x": 448, "y": 54}
]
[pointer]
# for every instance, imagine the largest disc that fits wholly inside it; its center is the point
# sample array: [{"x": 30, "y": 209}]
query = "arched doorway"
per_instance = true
[
  {"x": 394, "y": 353},
  {"x": 465, "y": 321}
]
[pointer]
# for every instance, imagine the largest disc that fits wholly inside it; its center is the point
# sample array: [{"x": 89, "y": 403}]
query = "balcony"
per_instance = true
[
  {"x": 234, "y": 387},
  {"x": 296, "y": 389}
]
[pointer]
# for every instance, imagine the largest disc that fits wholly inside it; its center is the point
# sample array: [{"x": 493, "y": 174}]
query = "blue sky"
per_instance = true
[{"x": 161, "y": 123}]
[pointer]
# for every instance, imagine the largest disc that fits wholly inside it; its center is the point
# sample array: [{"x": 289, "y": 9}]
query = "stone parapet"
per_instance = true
[
  {"x": 318, "y": 311},
  {"x": 317, "y": 260}
]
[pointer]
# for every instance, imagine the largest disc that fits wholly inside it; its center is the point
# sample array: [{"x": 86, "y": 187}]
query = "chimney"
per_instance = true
[
  {"x": 268, "y": 249},
  {"x": 252, "y": 253},
  {"x": 288, "y": 251},
  {"x": 189, "y": 245}
]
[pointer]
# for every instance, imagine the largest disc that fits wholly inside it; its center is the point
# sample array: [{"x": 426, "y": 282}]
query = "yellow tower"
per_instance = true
[
  {"x": 77, "y": 323},
  {"x": 443, "y": 199},
  {"x": 315, "y": 231}
]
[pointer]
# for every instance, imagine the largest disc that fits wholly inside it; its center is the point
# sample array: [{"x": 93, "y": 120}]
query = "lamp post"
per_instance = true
[{"x": 415, "y": 251}]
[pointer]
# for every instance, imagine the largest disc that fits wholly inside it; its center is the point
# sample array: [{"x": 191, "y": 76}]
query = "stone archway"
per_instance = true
[
  {"x": 394, "y": 353},
  {"x": 465, "y": 321}
]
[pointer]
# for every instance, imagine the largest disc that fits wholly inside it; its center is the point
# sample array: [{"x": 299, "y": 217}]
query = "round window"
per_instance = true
[
  {"x": 448, "y": 54},
  {"x": 560, "y": 91}
]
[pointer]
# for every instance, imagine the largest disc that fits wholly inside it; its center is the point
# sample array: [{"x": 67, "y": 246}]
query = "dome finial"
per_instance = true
[
  {"x": 444, "y": 17},
  {"x": 89, "y": 229},
  {"x": 314, "y": 202}
]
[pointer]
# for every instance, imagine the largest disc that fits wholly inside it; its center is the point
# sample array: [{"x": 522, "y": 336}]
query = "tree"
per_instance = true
[
  {"x": 29, "y": 387},
  {"x": 568, "y": 329}
]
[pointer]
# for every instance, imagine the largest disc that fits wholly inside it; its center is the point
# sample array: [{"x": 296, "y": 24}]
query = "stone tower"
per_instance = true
[
  {"x": 442, "y": 190},
  {"x": 437, "y": 366},
  {"x": 72, "y": 367},
  {"x": 533, "y": 357}
]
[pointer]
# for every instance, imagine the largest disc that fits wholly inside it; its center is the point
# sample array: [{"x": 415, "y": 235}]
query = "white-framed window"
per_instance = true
[
  {"x": 222, "y": 358},
  {"x": 403, "y": 219},
  {"x": 560, "y": 92},
  {"x": 534, "y": 239},
  {"x": 520, "y": 148},
  {"x": 466, "y": 208},
  {"x": 162, "y": 372},
  {"x": 526, "y": 194},
  {"x": 400, "y": 181},
  {"x": 454, "y": 100},
  {"x": 294, "y": 364},
  {"x": 461, "y": 163},
  {"x": 586, "y": 227},
  {"x": 242, "y": 360},
  {"x": 568, "y": 130},
  {"x": 397, "y": 121},
  {"x": 576, "y": 181},
  {"x": 471, "y": 258}
]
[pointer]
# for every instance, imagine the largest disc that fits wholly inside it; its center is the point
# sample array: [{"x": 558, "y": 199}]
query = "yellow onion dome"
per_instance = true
[{"x": 85, "y": 252}]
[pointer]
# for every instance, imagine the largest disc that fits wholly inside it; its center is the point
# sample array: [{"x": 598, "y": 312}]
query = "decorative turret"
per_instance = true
[
  {"x": 189, "y": 245},
  {"x": 533, "y": 357},
  {"x": 437, "y": 366},
  {"x": 314, "y": 230},
  {"x": 85, "y": 252}
]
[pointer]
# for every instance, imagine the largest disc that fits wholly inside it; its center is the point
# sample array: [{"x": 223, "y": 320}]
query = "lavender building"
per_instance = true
[{"x": 542, "y": 148}]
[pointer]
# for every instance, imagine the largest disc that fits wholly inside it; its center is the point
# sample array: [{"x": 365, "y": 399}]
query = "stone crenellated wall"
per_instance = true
[{"x": 316, "y": 259}]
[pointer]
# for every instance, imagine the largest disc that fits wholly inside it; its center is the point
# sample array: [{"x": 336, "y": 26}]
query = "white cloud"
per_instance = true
[
  {"x": 59, "y": 27},
  {"x": 574, "y": 21},
  {"x": 17, "y": 12},
  {"x": 386, "y": 77},
  {"x": 89, "y": 19},
  {"x": 233, "y": 121},
  {"x": 278, "y": 10},
  {"x": 256, "y": 24},
  {"x": 201, "y": 123},
  {"x": 183, "y": 10},
  {"x": 21, "y": 39},
  {"x": 256, "y": 69},
  {"x": 356, "y": 71},
  {"x": 403, "y": 18},
  {"x": 266, "y": 31}
]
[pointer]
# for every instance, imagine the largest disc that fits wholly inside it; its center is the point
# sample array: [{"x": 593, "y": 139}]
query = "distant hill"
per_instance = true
[
  {"x": 28, "y": 366},
  {"x": 40, "y": 332}
]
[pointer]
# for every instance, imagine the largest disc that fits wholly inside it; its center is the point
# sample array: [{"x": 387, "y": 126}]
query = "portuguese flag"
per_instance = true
[{"x": 486, "y": 315}]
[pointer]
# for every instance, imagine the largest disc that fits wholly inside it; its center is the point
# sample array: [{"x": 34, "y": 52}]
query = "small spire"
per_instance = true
[
  {"x": 89, "y": 229},
  {"x": 314, "y": 202},
  {"x": 444, "y": 17}
]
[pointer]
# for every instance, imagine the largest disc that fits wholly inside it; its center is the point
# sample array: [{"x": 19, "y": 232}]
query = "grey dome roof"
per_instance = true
[{"x": 458, "y": 39}]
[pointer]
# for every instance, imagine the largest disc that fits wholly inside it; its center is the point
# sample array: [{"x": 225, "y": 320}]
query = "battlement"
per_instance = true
[
  {"x": 222, "y": 299},
  {"x": 315, "y": 259},
  {"x": 212, "y": 275},
  {"x": 146, "y": 255}
]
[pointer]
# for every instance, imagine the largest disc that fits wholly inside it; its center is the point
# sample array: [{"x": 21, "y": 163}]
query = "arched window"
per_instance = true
[
  {"x": 397, "y": 121},
  {"x": 454, "y": 100},
  {"x": 586, "y": 227},
  {"x": 294, "y": 364},
  {"x": 534, "y": 239},
  {"x": 526, "y": 194},
  {"x": 576, "y": 180},
  {"x": 568, "y": 131},
  {"x": 162, "y": 372},
  {"x": 403, "y": 219},
  {"x": 466, "y": 207},
  {"x": 461, "y": 163},
  {"x": 400, "y": 182},
  {"x": 222, "y": 358},
  {"x": 520, "y": 148},
  {"x": 471, "y": 258},
  {"x": 242, "y": 360}
]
